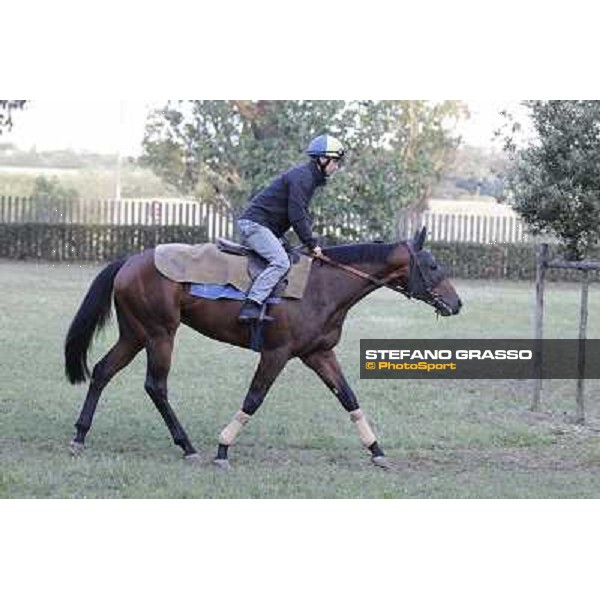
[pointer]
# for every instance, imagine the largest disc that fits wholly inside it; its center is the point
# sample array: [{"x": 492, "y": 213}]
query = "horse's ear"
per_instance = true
[{"x": 419, "y": 239}]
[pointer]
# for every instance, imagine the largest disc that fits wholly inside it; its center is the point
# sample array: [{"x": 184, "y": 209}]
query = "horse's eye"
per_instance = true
[{"x": 434, "y": 267}]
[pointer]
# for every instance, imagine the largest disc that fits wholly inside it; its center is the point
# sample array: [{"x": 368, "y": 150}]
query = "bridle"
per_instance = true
[{"x": 412, "y": 289}]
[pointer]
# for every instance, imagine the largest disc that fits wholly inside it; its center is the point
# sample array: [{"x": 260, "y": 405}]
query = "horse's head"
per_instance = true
[{"x": 422, "y": 277}]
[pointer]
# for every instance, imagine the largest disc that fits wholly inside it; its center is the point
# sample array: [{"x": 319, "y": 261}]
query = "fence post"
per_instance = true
[
  {"x": 403, "y": 227},
  {"x": 580, "y": 418},
  {"x": 541, "y": 261},
  {"x": 213, "y": 224}
]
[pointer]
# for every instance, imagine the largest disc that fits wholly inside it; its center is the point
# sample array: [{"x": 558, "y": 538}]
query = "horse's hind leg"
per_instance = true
[
  {"x": 159, "y": 350},
  {"x": 119, "y": 356}
]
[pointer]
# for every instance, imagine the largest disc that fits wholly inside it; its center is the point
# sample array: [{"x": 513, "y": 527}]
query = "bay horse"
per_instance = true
[{"x": 150, "y": 308}]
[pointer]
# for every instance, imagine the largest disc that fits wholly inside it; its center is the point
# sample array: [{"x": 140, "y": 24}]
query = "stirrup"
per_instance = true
[{"x": 263, "y": 314}]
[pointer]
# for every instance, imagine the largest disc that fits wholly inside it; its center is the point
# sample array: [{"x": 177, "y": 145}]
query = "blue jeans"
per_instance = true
[{"x": 264, "y": 242}]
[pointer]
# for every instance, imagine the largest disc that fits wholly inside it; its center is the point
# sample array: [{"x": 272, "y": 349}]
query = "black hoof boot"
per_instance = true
[{"x": 221, "y": 461}]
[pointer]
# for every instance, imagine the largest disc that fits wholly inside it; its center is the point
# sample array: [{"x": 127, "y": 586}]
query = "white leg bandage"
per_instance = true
[
  {"x": 228, "y": 435},
  {"x": 367, "y": 437}
]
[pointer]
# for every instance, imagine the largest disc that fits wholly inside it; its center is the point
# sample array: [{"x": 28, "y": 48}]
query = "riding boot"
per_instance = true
[{"x": 250, "y": 310}]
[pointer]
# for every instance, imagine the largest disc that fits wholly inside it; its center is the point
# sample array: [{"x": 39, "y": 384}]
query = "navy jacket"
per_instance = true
[{"x": 284, "y": 202}]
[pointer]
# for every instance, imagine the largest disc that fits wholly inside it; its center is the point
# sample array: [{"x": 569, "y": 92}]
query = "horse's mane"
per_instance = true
[{"x": 376, "y": 253}]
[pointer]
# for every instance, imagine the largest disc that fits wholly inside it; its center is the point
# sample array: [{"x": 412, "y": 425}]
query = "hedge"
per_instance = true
[
  {"x": 499, "y": 261},
  {"x": 71, "y": 242}
]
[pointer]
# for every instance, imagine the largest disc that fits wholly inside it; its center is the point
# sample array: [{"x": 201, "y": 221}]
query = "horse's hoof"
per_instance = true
[
  {"x": 382, "y": 462},
  {"x": 222, "y": 463},
  {"x": 76, "y": 448},
  {"x": 192, "y": 458}
]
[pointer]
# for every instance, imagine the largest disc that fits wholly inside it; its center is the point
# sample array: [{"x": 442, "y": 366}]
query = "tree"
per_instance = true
[
  {"x": 225, "y": 151},
  {"x": 554, "y": 182},
  {"x": 6, "y": 109},
  {"x": 47, "y": 190},
  {"x": 49, "y": 195}
]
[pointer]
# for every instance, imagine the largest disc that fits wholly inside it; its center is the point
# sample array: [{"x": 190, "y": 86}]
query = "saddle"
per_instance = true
[
  {"x": 227, "y": 263},
  {"x": 256, "y": 263}
]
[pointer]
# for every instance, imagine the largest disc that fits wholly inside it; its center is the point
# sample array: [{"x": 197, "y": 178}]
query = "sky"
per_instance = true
[
  {"x": 106, "y": 126},
  {"x": 103, "y": 126}
]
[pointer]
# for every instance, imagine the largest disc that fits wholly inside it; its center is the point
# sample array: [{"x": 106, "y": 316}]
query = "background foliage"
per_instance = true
[
  {"x": 554, "y": 182},
  {"x": 228, "y": 150}
]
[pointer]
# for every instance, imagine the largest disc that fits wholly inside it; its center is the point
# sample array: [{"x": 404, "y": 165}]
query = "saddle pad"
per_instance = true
[
  {"x": 204, "y": 263},
  {"x": 214, "y": 291}
]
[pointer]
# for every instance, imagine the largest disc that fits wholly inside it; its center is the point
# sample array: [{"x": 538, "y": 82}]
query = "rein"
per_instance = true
[{"x": 385, "y": 282}]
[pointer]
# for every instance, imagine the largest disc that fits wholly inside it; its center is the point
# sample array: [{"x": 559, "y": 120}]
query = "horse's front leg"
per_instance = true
[
  {"x": 270, "y": 365},
  {"x": 325, "y": 364}
]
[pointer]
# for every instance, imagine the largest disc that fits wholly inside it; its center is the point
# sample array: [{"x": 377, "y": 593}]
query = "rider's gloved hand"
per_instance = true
[{"x": 317, "y": 252}]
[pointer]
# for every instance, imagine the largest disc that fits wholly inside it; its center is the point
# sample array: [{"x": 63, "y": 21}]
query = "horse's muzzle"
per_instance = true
[
  {"x": 444, "y": 299},
  {"x": 446, "y": 307}
]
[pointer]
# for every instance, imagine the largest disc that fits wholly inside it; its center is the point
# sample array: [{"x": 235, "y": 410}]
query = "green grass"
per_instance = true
[{"x": 452, "y": 439}]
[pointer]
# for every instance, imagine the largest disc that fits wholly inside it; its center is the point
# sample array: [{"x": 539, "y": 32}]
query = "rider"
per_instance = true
[{"x": 282, "y": 204}]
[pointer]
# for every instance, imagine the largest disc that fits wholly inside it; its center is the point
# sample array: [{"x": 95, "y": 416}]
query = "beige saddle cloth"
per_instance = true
[{"x": 204, "y": 263}]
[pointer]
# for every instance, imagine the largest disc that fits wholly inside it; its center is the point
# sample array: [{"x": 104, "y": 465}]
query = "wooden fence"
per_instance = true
[
  {"x": 217, "y": 222},
  {"x": 543, "y": 263},
  {"x": 483, "y": 229},
  {"x": 442, "y": 227}
]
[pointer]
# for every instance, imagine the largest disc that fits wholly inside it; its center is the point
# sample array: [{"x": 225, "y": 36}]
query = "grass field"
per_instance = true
[{"x": 472, "y": 439}]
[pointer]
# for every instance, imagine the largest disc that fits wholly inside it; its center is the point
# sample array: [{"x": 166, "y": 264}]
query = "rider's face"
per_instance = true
[{"x": 332, "y": 167}]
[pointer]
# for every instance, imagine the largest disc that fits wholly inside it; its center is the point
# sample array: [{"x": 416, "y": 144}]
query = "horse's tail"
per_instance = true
[{"x": 92, "y": 316}]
